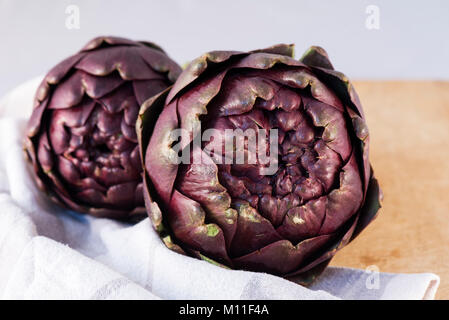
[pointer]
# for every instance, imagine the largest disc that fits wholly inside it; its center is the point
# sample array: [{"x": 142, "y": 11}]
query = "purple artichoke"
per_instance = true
[
  {"x": 81, "y": 136},
  {"x": 290, "y": 222}
]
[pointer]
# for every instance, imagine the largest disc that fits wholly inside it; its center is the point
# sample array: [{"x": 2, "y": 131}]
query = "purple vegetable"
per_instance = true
[
  {"x": 81, "y": 136},
  {"x": 289, "y": 223}
]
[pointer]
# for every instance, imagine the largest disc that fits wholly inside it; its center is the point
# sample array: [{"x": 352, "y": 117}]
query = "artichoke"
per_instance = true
[
  {"x": 81, "y": 136},
  {"x": 290, "y": 222}
]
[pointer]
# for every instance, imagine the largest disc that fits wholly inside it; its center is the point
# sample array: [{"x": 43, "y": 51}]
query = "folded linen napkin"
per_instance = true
[{"x": 50, "y": 253}]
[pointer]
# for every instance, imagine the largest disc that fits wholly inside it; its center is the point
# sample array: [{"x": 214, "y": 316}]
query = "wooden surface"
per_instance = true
[{"x": 409, "y": 151}]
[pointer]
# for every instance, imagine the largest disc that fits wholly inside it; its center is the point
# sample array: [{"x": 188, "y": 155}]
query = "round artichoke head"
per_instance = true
[
  {"x": 81, "y": 136},
  {"x": 286, "y": 216}
]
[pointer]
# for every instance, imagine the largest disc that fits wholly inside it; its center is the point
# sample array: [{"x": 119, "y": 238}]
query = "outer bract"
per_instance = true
[
  {"x": 81, "y": 136},
  {"x": 289, "y": 223}
]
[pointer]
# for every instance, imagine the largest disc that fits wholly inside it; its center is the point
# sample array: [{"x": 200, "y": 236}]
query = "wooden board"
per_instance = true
[{"x": 409, "y": 151}]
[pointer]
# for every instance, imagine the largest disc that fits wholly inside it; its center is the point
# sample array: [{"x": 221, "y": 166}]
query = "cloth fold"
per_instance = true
[{"x": 51, "y": 253}]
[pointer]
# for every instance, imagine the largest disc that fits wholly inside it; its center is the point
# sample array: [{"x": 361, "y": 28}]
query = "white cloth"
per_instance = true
[{"x": 50, "y": 253}]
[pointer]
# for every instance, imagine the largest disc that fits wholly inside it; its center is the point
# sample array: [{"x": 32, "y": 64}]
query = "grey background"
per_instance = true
[{"x": 412, "y": 42}]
